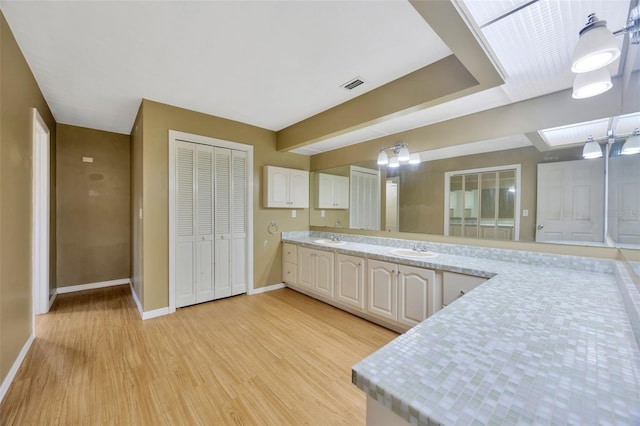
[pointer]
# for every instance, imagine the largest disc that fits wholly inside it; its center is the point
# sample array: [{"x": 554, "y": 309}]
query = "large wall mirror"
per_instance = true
[{"x": 534, "y": 187}]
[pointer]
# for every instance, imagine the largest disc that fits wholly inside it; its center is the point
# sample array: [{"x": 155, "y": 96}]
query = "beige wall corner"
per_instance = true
[
  {"x": 158, "y": 120},
  {"x": 19, "y": 93},
  {"x": 93, "y": 205},
  {"x": 135, "y": 214}
]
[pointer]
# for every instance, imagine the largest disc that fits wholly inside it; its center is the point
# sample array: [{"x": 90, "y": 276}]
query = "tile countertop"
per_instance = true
[{"x": 533, "y": 345}]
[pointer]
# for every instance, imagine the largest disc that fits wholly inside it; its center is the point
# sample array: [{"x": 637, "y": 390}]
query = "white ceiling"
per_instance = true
[
  {"x": 578, "y": 133},
  {"x": 270, "y": 64},
  {"x": 533, "y": 47}
]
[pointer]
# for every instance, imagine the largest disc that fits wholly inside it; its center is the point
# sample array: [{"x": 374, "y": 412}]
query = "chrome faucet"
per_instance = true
[
  {"x": 335, "y": 238},
  {"x": 420, "y": 247}
]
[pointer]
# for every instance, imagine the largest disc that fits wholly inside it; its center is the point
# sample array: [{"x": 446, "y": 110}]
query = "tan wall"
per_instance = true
[
  {"x": 158, "y": 120},
  {"x": 422, "y": 188},
  {"x": 136, "y": 205},
  {"x": 19, "y": 93},
  {"x": 93, "y": 206}
]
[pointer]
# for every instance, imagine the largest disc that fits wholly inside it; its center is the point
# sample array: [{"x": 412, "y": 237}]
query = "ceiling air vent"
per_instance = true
[{"x": 353, "y": 83}]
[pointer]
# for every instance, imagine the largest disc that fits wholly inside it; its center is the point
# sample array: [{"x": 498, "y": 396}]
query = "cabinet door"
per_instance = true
[
  {"x": 298, "y": 189},
  {"x": 324, "y": 272},
  {"x": 414, "y": 288},
  {"x": 306, "y": 267},
  {"x": 350, "y": 280},
  {"x": 325, "y": 191},
  {"x": 382, "y": 282},
  {"x": 341, "y": 192},
  {"x": 276, "y": 192},
  {"x": 289, "y": 273},
  {"x": 457, "y": 285}
]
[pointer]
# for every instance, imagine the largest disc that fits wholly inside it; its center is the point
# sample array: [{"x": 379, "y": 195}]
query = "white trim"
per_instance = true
[
  {"x": 136, "y": 300},
  {"x": 155, "y": 313},
  {"x": 52, "y": 298},
  {"x": 91, "y": 286},
  {"x": 516, "y": 167},
  {"x": 174, "y": 136},
  {"x": 40, "y": 216},
  {"x": 148, "y": 314},
  {"x": 266, "y": 289},
  {"x": 6, "y": 383}
]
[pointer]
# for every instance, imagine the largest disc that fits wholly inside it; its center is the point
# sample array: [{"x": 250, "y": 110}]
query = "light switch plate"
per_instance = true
[
  {"x": 87, "y": 159},
  {"x": 525, "y": 213},
  {"x": 321, "y": 213}
]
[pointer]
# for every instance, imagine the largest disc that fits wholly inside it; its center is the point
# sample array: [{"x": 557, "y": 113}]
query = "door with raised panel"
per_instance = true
[
  {"x": 382, "y": 282},
  {"x": 414, "y": 287},
  {"x": 278, "y": 187},
  {"x": 323, "y": 272},
  {"x": 298, "y": 188},
  {"x": 350, "y": 280},
  {"x": 306, "y": 267}
]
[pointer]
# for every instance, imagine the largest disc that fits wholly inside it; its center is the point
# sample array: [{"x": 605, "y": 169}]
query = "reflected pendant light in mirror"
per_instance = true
[
  {"x": 591, "y": 149},
  {"x": 591, "y": 83},
  {"x": 632, "y": 144}
]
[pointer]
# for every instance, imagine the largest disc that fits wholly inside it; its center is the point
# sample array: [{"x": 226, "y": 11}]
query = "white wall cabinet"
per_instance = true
[
  {"x": 315, "y": 270},
  {"x": 456, "y": 285},
  {"x": 350, "y": 280},
  {"x": 332, "y": 191},
  {"x": 285, "y": 188}
]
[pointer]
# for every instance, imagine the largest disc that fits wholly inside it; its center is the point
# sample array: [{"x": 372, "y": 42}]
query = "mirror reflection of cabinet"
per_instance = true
[{"x": 332, "y": 191}]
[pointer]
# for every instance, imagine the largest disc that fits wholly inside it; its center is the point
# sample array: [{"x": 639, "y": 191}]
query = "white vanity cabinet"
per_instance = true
[
  {"x": 415, "y": 293},
  {"x": 399, "y": 292},
  {"x": 315, "y": 270},
  {"x": 350, "y": 280},
  {"x": 332, "y": 191},
  {"x": 285, "y": 188},
  {"x": 456, "y": 285},
  {"x": 289, "y": 263},
  {"x": 382, "y": 286}
]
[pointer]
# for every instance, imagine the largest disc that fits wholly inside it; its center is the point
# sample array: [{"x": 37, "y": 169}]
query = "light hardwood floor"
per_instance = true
[{"x": 276, "y": 358}]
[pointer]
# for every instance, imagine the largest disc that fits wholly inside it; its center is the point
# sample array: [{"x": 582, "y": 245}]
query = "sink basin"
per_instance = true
[
  {"x": 403, "y": 252},
  {"x": 330, "y": 242}
]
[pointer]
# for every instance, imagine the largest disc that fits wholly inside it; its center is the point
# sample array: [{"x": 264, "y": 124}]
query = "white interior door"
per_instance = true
[
  {"x": 223, "y": 223},
  {"x": 204, "y": 222},
  {"x": 40, "y": 219},
  {"x": 624, "y": 199},
  {"x": 570, "y": 201},
  {"x": 364, "y": 211},
  {"x": 185, "y": 254},
  {"x": 392, "y": 215},
  {"x": 239, "y": 222}
]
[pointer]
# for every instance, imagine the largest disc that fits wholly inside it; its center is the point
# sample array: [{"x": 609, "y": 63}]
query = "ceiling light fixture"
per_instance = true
[
  {"x": 597, "y": 48},
  {"x": 591, "y": 83},
  {"x": 401, "y": 155},
  {"x": 632, "y": 144},
  {"x": 591, "y": 149}
]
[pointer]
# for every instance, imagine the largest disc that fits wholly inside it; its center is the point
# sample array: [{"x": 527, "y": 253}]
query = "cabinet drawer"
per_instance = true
[
  {"x": 456, "y": 285},
  {"x": 289, "y": 253},
  {"x": 289, "y": 273}
]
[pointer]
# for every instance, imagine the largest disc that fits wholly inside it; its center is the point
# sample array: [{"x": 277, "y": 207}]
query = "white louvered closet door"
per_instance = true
[
  {"x": 186, "y": 224},
  {"x": 239, "y": 222},
  {"x": 204, "y": 224},
  {"x": 222, "y": 223}
]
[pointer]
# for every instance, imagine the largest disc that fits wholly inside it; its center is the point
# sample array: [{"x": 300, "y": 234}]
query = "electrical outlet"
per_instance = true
[
  {"x": 525, "y": 213},
  {"x": 293, "y": 213},
  {"x": 321, "y": 213}
]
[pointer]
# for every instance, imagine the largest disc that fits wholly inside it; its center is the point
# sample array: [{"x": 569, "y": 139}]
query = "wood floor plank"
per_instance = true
[{"x": 276, "y": 358}]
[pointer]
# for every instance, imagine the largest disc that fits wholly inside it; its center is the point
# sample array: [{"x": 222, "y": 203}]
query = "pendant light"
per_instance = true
[
  {"x": 383, "y": 158},
  {"x": 591, "y": 83},
  {"x": 394, "y": 162},
  {"x": 403, "y": 154},
  {"x": 591, "y": 149},
  {"x": 596, "y": 48},
  {"x": 632, "y": 144}
]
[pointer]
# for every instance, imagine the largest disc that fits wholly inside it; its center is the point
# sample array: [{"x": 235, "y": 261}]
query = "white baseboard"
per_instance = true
[
  {"x": 266, "y": 288},
  {"x": 148, "y": 314},
  {"x": 53, "y": 297},
  {"x": 14, "y": 368},
  {"x": 91, "y": 286}
]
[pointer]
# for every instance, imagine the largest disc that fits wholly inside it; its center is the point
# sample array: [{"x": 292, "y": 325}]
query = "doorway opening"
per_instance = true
[{"x": 40, "y": 217}]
